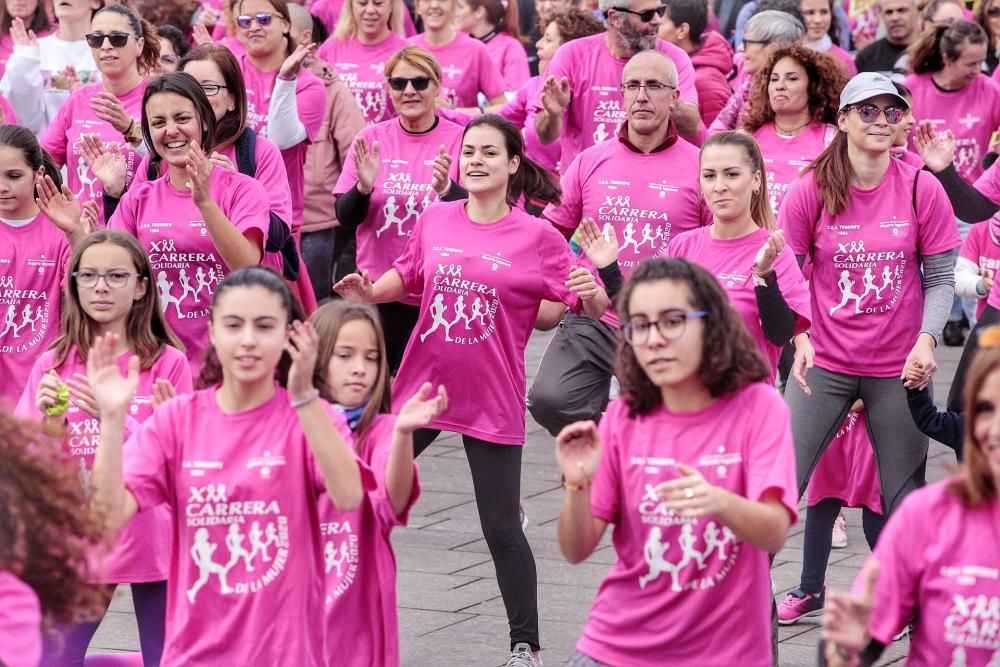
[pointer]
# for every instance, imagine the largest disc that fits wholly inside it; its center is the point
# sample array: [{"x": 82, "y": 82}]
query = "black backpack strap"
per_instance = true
[
  {"x": 153, "y": 170},
  {"x": 913, "y": 202},
  {"x": 246, "y": 153}
]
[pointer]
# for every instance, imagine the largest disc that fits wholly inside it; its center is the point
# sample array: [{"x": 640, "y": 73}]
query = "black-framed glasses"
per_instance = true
[
  {"x": 398, "y": 83},
  {"x": 993, "y": 12},
  {"x": 670, "y": 324},
  {"x": 212, "y": 89},
  {"x": 748, "y": 42},
  {"x": 113, "y": 279},
  {"x": 246, "y": 20},
  {"x": 869, "y": 113},
  {"x": 95, "y": 40},
  {"x": 645, "y": 15},
  {"x": 652, "y": 87}
]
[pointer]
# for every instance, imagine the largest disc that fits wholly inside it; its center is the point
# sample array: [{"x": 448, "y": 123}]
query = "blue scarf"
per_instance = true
[{"x": 353, "y": 415}]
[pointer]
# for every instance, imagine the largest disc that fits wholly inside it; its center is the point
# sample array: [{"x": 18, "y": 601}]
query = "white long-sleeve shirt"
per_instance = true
[
  {"x": 968, "y": 280},
  {"x": 28, "y": 81}
]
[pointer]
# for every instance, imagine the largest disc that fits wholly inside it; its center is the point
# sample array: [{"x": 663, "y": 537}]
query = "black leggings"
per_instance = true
[
  {"x": 956, "y": 401},
  {"x": 496, "y": 477},
  {"x": 818, "y": 538},
  {"x": 398, "y": 321}
]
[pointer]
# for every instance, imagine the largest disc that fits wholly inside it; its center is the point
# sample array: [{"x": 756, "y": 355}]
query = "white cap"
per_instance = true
[{"x": 867, "y": 85}]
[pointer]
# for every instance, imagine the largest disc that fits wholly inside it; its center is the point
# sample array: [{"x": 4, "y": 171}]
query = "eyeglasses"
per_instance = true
[
  {"x": 748, "y": 42},
  {"x": 95, "y": 40},
  {"x": 869, "y": 113},
  {"x": 263, "y": 19},
  {"x": 212, "y": 89},
  {"x": 670, "y": 324},
  {"x": 652, "y": 87},
  {"x": 113, "y": 279},
  {"x": 398, "y": 83},
  {"x": 645, "y": 15},
  {"x": 993, "y": 12}
]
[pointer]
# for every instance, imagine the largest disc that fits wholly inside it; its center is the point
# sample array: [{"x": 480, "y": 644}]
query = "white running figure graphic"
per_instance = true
[
  {"x": 257, "y": 545},
  {"x": 9, "y": 322},
  {"x": 390, "y": 210},
  {"x": 600, "y": 134},
  {"x": 629, "y": 235},
  {"x": 868, "y": 280},
  {"x": 164, "y": 287},
  {"x": 336, "y": 558},
  {"x": 185, "y": 282},
  {"x": 713, "y": 541},
  {"x": 479, "y": 310},
  {"x": 199, "y": 276},
  {"x": 234, "y": 542},
  {"x": 846, "y": 286},
  {"x": 86, "y": 181},
  {"x": 686, "y": 543},
  {"x": 958, "y": 657},
  {"x": 411, "y": 211},
  {"x": 888, "y": 277},
  {"x": 201, "y": 553},
  {"x": 653, "y": 553},
  {"x": 329, "y": 556},
  {"x": 648, "y": 235},
  {"x": 460, "y": 313},
  {"x": 437, "y": 312}
]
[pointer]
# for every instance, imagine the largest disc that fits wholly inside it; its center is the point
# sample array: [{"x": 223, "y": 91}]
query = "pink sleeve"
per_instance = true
[
  {"x": 20, "y": 623},
  {"x": 516, "y": 110},
  {"x": 271, "y": 173},
  {"x": 799, "y": 214},
  {"x": 769, "y": 458},
  {"x": 124, "y": 217},
  {"x": 141, "y": 174},
  {"x": 989, "y": 183},
  {"x": 899, "y": 547},
  {"x": 685, "y": 71},
  {"x": 567, "y": 214},
  {"x": 794, "y": 289},
  {"x": 970, "y": 246},
  {"x": 247, "y": 207},
  {"x": 147, "y": 457},
  {"x": 311, "y": 98},
  {"x": 515, "y": 67},
  {"x": 410, "y": 265},
  {"x": 53, "y": 139},
  {"x": 26, "y": 404},
  {"x": 937, "y": 231},
  {"x": 455, "y": 116},
  {"x": 179, "y": 374},
  {"x": 491, "y": 82},
  {"x": 379, "y": 462},
  {"x": 557, "y": 260},
  {"x": 340, "y": 423},
  {"x": 605, "y": 490}
]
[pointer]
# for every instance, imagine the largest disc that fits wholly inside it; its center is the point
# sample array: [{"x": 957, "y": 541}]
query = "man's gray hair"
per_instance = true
[
  {"x": 605, "y": 5},
  {"x": 774, "y": 26}
]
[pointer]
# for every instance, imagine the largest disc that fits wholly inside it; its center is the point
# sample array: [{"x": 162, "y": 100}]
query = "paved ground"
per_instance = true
[{"x": 450, "y": 610}]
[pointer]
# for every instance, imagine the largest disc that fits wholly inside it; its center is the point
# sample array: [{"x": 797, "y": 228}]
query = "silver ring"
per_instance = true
[{"x": 689, "y": 493}]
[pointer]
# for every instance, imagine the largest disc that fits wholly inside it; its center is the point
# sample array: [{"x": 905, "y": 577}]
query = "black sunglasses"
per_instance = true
[
  {"x": 645, "y": 15},
  {"x": 263, "y": 19},
  {"x": 95, "y": 40},
  {"x": 398, "y": 83}
]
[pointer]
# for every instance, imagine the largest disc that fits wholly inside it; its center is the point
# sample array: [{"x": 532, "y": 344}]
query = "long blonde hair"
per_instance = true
[{"x": 347, "y": 27}]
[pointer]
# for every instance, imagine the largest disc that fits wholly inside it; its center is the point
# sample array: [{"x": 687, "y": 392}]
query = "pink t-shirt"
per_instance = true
[
  {"x": 480, "y": 286},
  {"x": 685, "y": 589},
  {"x": 33, "y": 260},
  {"x": 360, "y": 565},
  {"x": 844, "y": 58},
  {"x": 648, "y": 198},
  {"x": 361, "y": 67},
  {"x": 939, "y": 562},
  {"x": 63, "y": 139},
  {"x": 971, "y": 113},
  {"x": 522, "y": 111},
  {"x": 785, "y": 157},
  {"x": 187, "y": 267},
  {"x": 909, "y": 157},
  {"x": 982, "y": 246},
  {"x": 511, "y": 58},
  {"x": 243, "y": 490},
  {"x": 595, "y": 78},
  {"x": 467, "y": 69},
  {"x": 730, "y": 261},
  {"x": 847, "y": 468},
  {"x": 142, "y": 546},
  {"x": 20, "y": 623},
  {"x": 867, "y": 301},
  {"x": 310, "y": 93},
  {"x": 402, "y": 189},
  {"x": 989, "y": 185}
]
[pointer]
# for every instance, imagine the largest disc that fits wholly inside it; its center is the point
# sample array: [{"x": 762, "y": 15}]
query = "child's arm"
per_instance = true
[
  {"x": 946, "y": 427},
  {"x": 418, "y": 412},
  {"x": 969, "y": 283}
]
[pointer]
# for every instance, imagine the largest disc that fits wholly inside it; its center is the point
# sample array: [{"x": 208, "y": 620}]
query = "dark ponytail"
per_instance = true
[
  {"x": 531, "y": 179},
  {"x": 149, "y": 58},
  {"x": 501, "y": 14},
  {"x": 928, "y": 52},
  {"x": 24, "y": 140}
]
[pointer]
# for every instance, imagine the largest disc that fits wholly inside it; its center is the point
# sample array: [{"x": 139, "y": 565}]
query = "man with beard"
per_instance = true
[
  {"x": 584, "y": 79},
  {"x": 901, "y": 20}
]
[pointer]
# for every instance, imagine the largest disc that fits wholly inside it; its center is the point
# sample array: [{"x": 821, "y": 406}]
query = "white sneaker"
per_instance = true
[
  {"x": 839, "y": 532},
  {"x": 522, "y": 656}
]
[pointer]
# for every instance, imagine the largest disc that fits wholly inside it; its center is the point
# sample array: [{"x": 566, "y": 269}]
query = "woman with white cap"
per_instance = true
[{"x": 879, "y": 236}]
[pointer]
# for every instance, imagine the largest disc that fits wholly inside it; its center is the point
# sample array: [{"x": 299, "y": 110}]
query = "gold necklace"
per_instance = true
[{"x": 793, "y": 131}]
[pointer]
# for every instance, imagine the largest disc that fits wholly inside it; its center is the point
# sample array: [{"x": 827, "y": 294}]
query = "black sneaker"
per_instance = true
[{"x": 952, "y": 335}]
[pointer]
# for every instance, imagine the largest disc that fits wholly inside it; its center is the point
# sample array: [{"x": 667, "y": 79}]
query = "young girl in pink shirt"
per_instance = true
[
  {"x": 937, "y": 559},
  {"x": 483, "y": 267},
  {"x": 200, "y": 221},
  {"x": 126, "y": 50},
  {"x": 110, "y": 291},
  {"x": 48, "y": 532},
  {"x": 359, "y": 562},
  {"x": 698, "y": 483},
  {"x": 241, "y": 466},
  {"x": 495, "y": 24}
]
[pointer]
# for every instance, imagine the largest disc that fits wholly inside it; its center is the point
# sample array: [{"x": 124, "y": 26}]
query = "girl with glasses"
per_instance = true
[
  {"x": 879, "y": 236},
  {"x": 43, "y": 71},
  {"x": 110, "y": 290},
  {"x": 699, "y": 488},
  {"x": 482, "y": 268},
  {"x": 381, "y": 202},
  {"x": 126, "y": 50}
]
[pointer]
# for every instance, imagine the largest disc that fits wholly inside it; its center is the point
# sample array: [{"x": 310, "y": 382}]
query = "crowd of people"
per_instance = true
[{"x": 255, "y": 256}]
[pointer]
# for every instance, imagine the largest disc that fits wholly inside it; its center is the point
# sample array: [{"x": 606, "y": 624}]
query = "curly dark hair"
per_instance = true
[
  {"x": 575, "y": 23},
  {"x": 826, "y": 79},
  {"x": 175, "y": 12},
  {"x": 46, "y": 528},
  {"x": 730, "y": 359}
]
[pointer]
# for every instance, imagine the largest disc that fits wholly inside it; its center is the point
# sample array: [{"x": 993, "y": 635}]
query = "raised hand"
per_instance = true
[
  {"x": 936, "y": 149},
  {"x": 845, "y": 619},
  {"x": 600, "y": 250},
  {"x": 441, "y": 181},
  {"x": 422, "y": 409},
  {"x": 764, "y": 261},
  {"x": 59, "y": 206},
  {"x": 199, "y": 171},
  {"x": 199, "y": 31},
  {"x": 555, "y": 95},
  {"x": 583, "y": 283},
  {"x": 293, "y": 63},
  {"x": 302, "y": 347},
  {"x": 20, "y": 36},
  {"x": 356, "y": 287},
  {"x": 367, "y": 162},
  {"x": 107, "y": 164},
  {"x": 108, "y": 108},
  {"x": 220, "y": 160},
  {"x": 163, "y": 391},
  {"x": 90, "y": 219},
  {"x": 83, "y": 395},
  {"x": 111, "y": 391},
  {"x": 691, "y": 496},
  {"x": 578, "y": 452}
]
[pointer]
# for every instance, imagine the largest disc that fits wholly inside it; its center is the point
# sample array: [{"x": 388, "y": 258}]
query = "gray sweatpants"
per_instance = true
[
  {"x": 900, "y": 449},
  {"x": 574, "y": 376}
]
